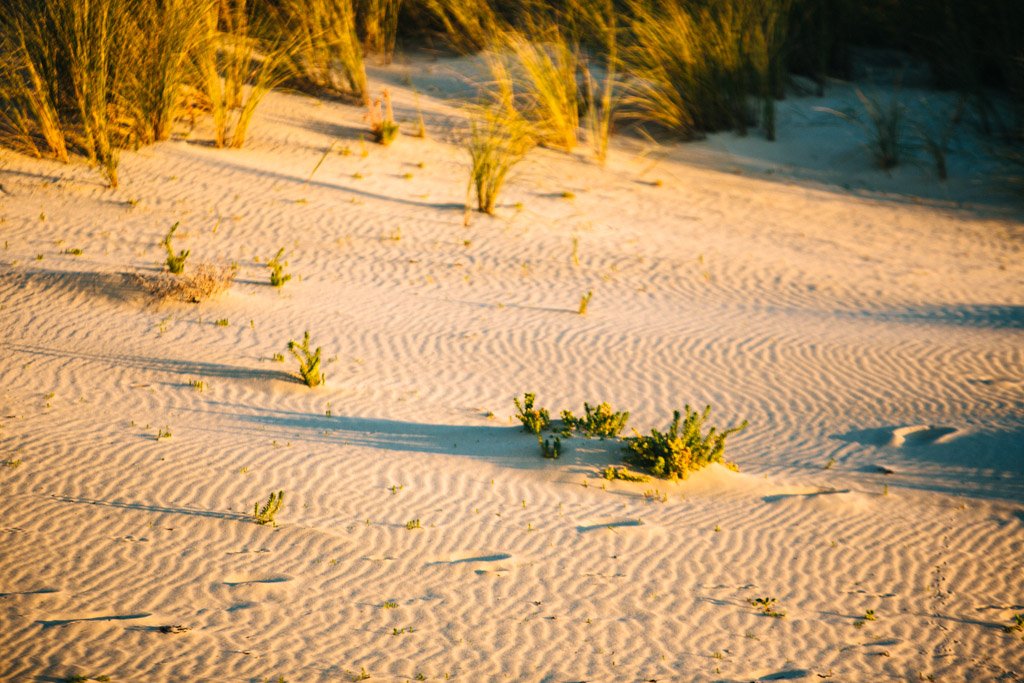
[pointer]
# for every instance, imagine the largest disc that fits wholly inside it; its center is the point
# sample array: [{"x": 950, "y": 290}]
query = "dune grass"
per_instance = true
[
  {"x": 325, "y": 44},
  {"x": 234, "y": 75},
  {"x": 379, "y": 22},
  {"x": 468, "y": 25},
  {"x": 500, "y": 137}
]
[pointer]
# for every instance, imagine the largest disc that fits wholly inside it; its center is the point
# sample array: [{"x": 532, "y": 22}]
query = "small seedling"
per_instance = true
[
  {"x": 550, "y": 449},
  {"x": 309, "y": 361},
  {"x": 223, "y": 322},
  {"x": 175, "y": 262},
  {"x": 277, "y": 274},
  {"x": 395, "y": 488},
  {"x": 79, "y": 678},
  {"x": 584, "y": 302},
  {"x": 12, "y": 464},
  {"x": 264, "y": 516},
  {"x": 831, "y": 461},
  {"x": 198, "y": 384},
  {"x": 413, "y": 524},
  {"x": 277, "y": 358},
  {"x": 163, "y": 433},
  {"x": 390, "y": 604},
  {"x": 766, "y": 606},
  {"x": 870, "y": 615},
  {"x": 362, "y": 675},
  {"x": 1017, "y": 625},
  {"x": 655, "y": 494},
  {"x": 73, "y": 252},
  {"x": 568, "y": 195},
  {"x": 174, "y": 628},
  {"x": 611, "y": 473},
  {"x": 383, "y": 128}
]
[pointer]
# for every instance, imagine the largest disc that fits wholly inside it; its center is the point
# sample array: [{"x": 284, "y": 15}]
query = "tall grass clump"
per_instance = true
[
  {"x": 379, "y": 23},
  {"x": 161, "y": 40},
  {"x": 499, "y": 139},
  {"x": 64, "y": 68},
  {"x": 325, "y": 44},
  {"x": 600, "y": 20},
  {"x": 694, "y": 66},
  {"x": 234, "y": 74},
  {"x": 468, "y": 25},
  {"x": 544, "y": 66}
]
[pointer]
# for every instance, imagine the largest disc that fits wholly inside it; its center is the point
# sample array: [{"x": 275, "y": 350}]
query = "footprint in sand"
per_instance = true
[{"x": 921, "y": 435}]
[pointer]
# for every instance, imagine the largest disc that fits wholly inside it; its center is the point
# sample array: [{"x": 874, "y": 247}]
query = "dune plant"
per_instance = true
[
  {"x": 266, "y": 514},
  {"x": 277, "y": 275},
  {"x": 381, "y": 117},
  {"x": 469, "y": 25},
  {"x": 162, "y": 36},
  {"x": 883, "y": 127},
  {"x": 545, "y": 65},
  {"x": 175, "y": 262},
  {"x": 684, "y": 448},
  {"x": 309, "y": 361},
  {"x": 379, "y": 21},
  {"x": 611, "y": 473},
  {"x": 323, "y": 35},
  {"x": 550, "y": 448},
  {"x": 600, "y": 421},
  {"x": 233, "y": 74},
  {"x": 585, "y": 302},
  {"x": 689, "y": 65},
  {"x": 499, "y": 139},
  {"x": 766, "y": 606},
  {"x": 534, "y": 420}
]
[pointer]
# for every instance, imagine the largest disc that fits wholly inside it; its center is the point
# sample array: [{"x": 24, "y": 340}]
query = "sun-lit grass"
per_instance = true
[{"x": 323, "y": 34}]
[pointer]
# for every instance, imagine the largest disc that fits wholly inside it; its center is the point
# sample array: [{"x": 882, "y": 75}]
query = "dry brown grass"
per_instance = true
[{"x": 203, "y": 282}]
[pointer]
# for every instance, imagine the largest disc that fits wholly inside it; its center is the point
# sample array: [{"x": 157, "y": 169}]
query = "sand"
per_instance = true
[{"x": 869, "y": 326}]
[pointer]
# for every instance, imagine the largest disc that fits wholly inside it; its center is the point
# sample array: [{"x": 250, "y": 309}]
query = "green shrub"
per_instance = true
[
  {"x": 611, "y": 473},
  {"x": 534, "y": 420},
  {"x": 309, "y": 361},
  {"x": 175, "y": 262},
  {"x": 600, "y": 421},
  {"x": 265, "y": 515},
  {"x": 550, "y": 449},
  {"x": 277, "y": 274},
  {"x": 682, "y": 449}
]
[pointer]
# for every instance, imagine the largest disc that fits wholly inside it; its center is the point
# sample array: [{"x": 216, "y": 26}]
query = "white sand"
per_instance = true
[{"x": 863, "y": 327}]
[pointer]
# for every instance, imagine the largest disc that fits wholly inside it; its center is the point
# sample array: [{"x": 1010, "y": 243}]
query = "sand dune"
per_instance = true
[{"x": 859, "y": 331}]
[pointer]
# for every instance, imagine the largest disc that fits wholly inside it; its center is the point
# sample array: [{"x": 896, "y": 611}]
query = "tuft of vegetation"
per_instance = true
[
  {"x": 413, "y": 524},
  {"x": 235, "y": 71},
  {"x": 883, "y": 127},
  {"x": 379, "y": 24},
  {"x": 534, "y": 420},
  {"x": 612, "y": 473},
  {"x": 265, "y": 515},
  {"x": 585, "y": 302},
  {"x": 277, "y": 274},
  {"x": 309, "y": 361},
  {"x": 550, "y": 449},
  {"x": 767, "y": 607},
  {"x": 199, "y": 284},
  {"x": 1017, "y": 624},
  {"x": 600, "y": 421},
  {"x": 323, "y": 36},
  {"x": 175, "y": 262},
  {"x": 499, "y": 139},
  {"x": 682, "y": 449},
  {"x": 381, "y": 117}
]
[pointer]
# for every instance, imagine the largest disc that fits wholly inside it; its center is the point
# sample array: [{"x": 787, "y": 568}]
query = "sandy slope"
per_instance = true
[{"x": 858, "y": 328}]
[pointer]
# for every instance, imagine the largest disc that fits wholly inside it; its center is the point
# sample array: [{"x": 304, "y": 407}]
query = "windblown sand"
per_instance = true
[{"x": 855, "y": 330}]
